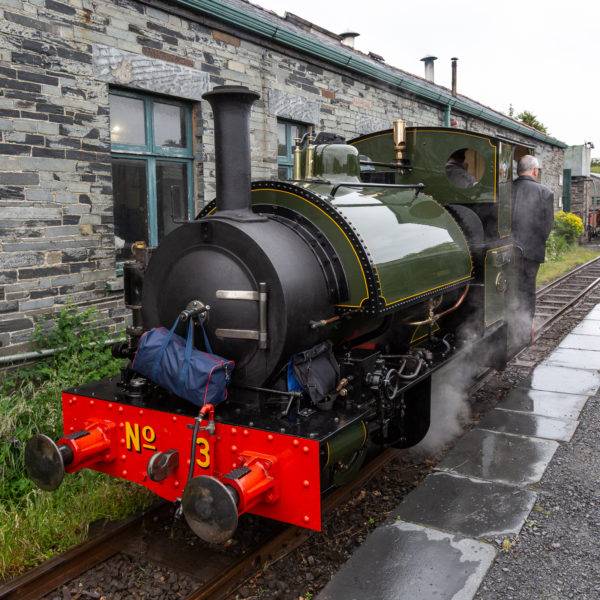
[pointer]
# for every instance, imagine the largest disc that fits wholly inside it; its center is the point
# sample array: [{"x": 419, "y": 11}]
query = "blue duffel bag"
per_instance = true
[{"x": 172, "y": 362}]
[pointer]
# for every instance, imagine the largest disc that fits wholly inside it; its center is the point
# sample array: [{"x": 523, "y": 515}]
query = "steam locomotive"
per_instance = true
[{"x": 383, "y": 259}]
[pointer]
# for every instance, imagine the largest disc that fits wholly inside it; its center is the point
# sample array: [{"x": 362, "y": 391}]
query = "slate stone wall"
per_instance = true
[
  {"x": 581, "y": 196},
  {"x": 57, "y": 63}
]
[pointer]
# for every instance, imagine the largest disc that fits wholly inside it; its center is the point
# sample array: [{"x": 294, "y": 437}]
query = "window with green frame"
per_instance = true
[
  {"x": 287, "y": 132},
  {"x": 152, "y": 167}
]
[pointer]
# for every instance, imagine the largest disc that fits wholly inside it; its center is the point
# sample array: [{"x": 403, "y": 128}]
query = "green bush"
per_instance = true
[
  {"x": 556, "y": 246},
  {"x": 36, "y": 524},
  {"x": 568, "y": 226}
]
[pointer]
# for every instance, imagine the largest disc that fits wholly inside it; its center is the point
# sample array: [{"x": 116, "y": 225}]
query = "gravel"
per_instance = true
[
  {"x": 123, "y": 577},
  {"x": 557, "y": 553}
]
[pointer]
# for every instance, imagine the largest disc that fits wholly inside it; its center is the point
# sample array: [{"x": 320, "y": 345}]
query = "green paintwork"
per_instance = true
[
  {"x": 346, "y": 452},
  {"x": 414, "y": 243},
  {"x": 505, "y": 177},
  {"x": 357, "y": 285},
  {"x": 428, "y": 151},
  {"x": 567, "y": 190},
  {"x": 415, "y": 246},
  {"x": 497, "y": 263}
]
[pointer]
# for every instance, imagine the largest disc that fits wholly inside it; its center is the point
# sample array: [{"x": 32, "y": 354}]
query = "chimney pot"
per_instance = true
[
  {"x": 429, "y": 73},
  {"x": 454, "y": 69},
  {"x": 348, "y": 37},
  {"x": 231, "y": 105}
]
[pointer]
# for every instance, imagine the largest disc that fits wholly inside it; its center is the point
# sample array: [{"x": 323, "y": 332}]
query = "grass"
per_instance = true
[
  {"x": 35, "y": 525},
  {"x": 573, "y": 257}
]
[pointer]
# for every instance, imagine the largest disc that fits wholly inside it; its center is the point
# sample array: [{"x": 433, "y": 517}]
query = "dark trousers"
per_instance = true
[{"x": 525, "y": 299}]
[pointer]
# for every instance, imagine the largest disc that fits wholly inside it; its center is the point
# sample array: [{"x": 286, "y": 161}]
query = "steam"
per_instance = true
[
  {"x": 450, "y": 410},
  {"x": 451, "y": 385}
]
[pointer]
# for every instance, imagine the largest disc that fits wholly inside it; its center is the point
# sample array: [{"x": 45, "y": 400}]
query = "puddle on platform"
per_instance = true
[
  {"x": 581, "y": 342},
  {"x": 546, "y": 404},
  {"x": 588, "y": 327},
  {"x": 574, "y": 358},
  {"x": 567, "y": 380},
  {"x": 518, "y": 423},
  {"x": 499, "y": 457},
  {"x": 466, "y": 506},
  {"x": 594, "y": 314}
]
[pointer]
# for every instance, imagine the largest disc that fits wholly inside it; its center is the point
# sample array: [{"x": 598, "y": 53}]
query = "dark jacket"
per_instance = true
[{"x": 532, "y": 216}]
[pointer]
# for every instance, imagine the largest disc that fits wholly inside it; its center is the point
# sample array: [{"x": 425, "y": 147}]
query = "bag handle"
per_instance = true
[
  {"x": 189, "y": 347},
  {"x": 206, "y": 342},
  {"x": 159, "y": 355},
  {"x": 187, "y": 356}
]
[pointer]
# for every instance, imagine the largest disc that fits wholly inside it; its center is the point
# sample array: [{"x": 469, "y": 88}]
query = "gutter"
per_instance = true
[{"x": 302, "y": 43}]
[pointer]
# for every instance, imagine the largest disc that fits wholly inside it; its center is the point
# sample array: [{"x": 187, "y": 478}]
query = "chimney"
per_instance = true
[
  {"x": 429, "y": 60},
  {"x": 454, "y": 61},
  {"x": 348, "y": 38},
  {"x": 231, "y": 105}
]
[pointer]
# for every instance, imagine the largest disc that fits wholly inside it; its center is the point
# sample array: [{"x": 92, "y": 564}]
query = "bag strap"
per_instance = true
[
  {"x": 187, "y": 356},
  {"x": 159, "y": 355},
  {"x": 206, "y": 342},
  {"x": 189, "y": 347}
]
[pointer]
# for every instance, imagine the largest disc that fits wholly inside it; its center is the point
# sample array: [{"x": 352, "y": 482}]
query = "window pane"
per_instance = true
[
  {"x": 281, "y": 141},
  {"x": 296, "y": 131},
  {"x": 283, "y": 172},
  {"x": 169, "y": 125},
  {"x": 130, "y": 204},
  {"x": 127, "y": 121},
  {"x": 171, "y": 194}
]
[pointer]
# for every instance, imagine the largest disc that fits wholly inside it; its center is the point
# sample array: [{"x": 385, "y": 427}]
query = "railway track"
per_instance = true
[
  {"x": 552, "y": 301},
  {"x": 218, "y": 584}
]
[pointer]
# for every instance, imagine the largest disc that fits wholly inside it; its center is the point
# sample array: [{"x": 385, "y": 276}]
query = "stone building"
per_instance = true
[
  {"x": 105, "y": 138},
  {"x": 581, "y": 186}
]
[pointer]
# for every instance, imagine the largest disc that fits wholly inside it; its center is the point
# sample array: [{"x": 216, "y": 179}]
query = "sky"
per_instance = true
[{"x": 538, "y": 56}]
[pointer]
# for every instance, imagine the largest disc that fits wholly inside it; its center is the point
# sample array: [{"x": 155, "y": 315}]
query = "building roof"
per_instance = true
[{"x": 327, "y": 46}]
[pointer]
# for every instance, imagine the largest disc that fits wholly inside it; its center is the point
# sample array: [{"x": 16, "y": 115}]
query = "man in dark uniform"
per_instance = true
[
  {"x": 456, "y": 170},
  {"x": 532, "y": 220}
]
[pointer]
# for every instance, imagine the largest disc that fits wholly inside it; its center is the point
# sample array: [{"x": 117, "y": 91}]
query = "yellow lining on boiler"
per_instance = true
[{"x": 342, "y": 232}]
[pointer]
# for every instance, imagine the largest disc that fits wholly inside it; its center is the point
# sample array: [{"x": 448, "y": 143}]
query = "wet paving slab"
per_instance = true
[
  {"x": 588, "y": 327},
  {"x": 499, "y": 457},
  {"x": 401, "y": 561},
  {"x": 581, "y": 342},
  {"x": 546, "y": 404},
  {"x": 469, "y": 507},
  {"x": 576, "y": 358},
  {"x": 566, "y": 380},
  {"x": 517, "y": 423},
  {"x": 594, "y": 314}
]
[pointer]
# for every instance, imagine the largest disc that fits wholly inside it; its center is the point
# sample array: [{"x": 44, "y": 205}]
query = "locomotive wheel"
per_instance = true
[
  {"x": 44, "y": 462},
  {"x": 210, "y": 508}
]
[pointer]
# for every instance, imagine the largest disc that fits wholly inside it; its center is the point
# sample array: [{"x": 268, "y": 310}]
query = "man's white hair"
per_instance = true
[{"x": 527, "y": 163}]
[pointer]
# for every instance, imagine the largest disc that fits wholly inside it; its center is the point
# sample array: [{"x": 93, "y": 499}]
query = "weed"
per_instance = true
[{"x": 35, "y": 524}]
